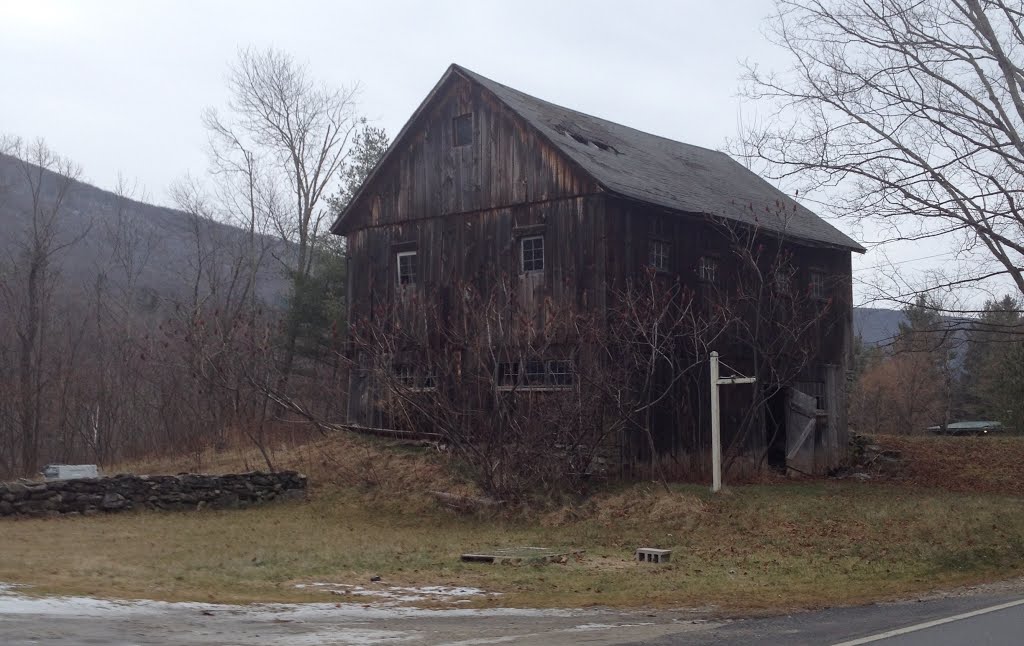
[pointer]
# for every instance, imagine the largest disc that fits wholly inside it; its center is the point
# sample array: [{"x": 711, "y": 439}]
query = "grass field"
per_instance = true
[{"x": 769, "y": 546}]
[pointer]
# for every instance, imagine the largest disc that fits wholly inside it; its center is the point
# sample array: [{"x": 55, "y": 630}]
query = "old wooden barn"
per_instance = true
[{"x": 487, "y": 187}]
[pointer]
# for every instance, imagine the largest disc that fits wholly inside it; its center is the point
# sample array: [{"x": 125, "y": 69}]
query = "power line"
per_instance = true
[{"x": 903, "y": 262}]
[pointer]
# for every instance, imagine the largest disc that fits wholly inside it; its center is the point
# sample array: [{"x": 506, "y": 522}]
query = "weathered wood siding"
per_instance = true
[
  {"x": 464, "y": 209},
  {"x": 506, "y": 164},
  {"x": 682, "y": 425},
  {"x": 481, "y": 248}
]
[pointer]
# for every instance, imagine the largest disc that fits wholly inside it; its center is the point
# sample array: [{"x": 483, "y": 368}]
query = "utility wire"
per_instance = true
[{"x": 903, "y": 262}]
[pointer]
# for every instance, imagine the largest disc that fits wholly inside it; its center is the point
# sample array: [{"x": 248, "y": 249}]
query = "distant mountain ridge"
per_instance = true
[
  {"x": 876, "y": 326},
  {"x": 165, "y": 238}
]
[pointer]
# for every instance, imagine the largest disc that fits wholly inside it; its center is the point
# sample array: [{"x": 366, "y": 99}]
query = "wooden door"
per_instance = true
[{"x": 801, "y": 431}]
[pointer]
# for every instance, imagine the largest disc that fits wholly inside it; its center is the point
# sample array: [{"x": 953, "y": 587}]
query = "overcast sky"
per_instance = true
[{"x": 118, "y": 86}]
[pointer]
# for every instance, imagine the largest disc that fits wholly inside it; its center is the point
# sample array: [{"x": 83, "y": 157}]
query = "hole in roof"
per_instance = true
[
  {"x": 578, "y": 137},
  {"x": 562, "y": 130}
]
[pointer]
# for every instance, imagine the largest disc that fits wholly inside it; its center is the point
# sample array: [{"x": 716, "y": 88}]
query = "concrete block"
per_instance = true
[{"x": 653, "y": 555}]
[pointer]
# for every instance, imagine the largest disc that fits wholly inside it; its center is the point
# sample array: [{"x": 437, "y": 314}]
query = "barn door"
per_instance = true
[{"x": 801, "y": 427}]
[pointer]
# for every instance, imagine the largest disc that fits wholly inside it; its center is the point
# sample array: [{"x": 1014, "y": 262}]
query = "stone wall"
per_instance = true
[{"x": 89, "y": 496}]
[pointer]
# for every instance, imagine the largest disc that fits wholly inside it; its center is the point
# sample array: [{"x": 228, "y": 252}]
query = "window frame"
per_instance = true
[
  {"x": 817, "y": 285},
  {"x": 705, "y": 262},
  {"x": 549, "y": 380},
  {"x": 412, "y": 379},
  {"x": 782, "y": 283},
  {"x": 404, "y": 374},
  {"x": 654, "y": 245},
  {"x": 522, "y": 254},
  {"x": 534, "y": 372},
  {"x": 507, "y": 374},
  {"x": 554, "y": 379},
  {"x": 399, "y": 256}
]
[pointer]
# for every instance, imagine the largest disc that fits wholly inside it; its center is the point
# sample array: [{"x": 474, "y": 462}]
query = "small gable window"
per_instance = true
[
  {"x": 406, "y": 268},
  {"x": 462, "y": 129},
  {"x": 532, "y": 254},
  {"x": 658, "y": 254}
]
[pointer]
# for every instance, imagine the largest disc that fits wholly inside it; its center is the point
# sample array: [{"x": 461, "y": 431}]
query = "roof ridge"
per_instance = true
[{"x": 487, "y": 80}]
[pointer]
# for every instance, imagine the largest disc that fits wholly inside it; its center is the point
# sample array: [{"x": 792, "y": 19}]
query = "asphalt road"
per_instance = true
[
  {"x": 971, "y": 620},
  {"x": 1003, "y": 626},
  {"x": 988, "y": 619}
]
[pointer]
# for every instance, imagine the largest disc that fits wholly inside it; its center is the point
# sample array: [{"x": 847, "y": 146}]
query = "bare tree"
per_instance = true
[
  {"x": 495, "y": 384},
  {"x": 112, "y": 416},
  {"x": 27, "y": 286},
  {"x": 221, "y": 335},
  {"x": 283, "y": 142},
  {"x": 910, "y": 116}
]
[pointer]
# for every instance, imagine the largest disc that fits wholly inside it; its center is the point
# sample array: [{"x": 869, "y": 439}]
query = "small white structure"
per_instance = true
[
  {"x": 652, "y": 555},
  {"x": 70, "y": 471}
]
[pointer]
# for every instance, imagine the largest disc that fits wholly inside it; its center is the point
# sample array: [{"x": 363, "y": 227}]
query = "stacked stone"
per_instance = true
[{"x": 89, "y": 496}]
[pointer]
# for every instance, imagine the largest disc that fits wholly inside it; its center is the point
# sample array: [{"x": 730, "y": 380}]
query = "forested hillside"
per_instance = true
[
  {"x": 119, "y": 320},
  {"x": 129, "y": 329}
]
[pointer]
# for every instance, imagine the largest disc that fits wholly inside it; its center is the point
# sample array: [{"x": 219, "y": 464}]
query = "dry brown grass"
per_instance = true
[
  {"x": 797, "y": 545},
  {"x": 773, "y": 546},
  {"x": 367, "y": 464},
  {"x": 966, "y": 464}
]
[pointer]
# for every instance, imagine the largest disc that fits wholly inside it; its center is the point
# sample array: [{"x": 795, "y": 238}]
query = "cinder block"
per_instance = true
[{"x": 653, "y": 555}]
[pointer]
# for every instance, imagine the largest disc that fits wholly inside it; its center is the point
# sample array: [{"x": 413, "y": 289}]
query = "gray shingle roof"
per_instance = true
[{"x": 667, "y": 173}]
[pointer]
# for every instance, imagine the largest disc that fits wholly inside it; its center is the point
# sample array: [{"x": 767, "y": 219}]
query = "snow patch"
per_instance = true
[
  {"x": 361, "y": 637},
  {"x": 588, "y": 627},
  {"x": 401, "y": 594},
  {"x": 15, "y": 603}
]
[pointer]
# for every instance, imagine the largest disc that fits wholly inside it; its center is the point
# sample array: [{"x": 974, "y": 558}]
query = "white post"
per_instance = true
[
  {"x": 716, "y": 429},
  {"x": 716, "y": 421}
]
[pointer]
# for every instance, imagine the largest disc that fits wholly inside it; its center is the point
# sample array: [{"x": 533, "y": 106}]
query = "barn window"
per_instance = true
[
  {"x": 508, "y": 373},
  {"x": 535, "y": 374},
  {"x": 462, "y": 129},
  {"x": 658, "y": 252},
  {"x": 707, "y": 270},
  {"x": 783, "y": 282},
  {"x": 816, "y": 286},
  {"x": 405, "y": 374},
  {"x": 429, "y": 379},
  {"x": 560, "y": 373},
  {"x": 406, "y": 268},
  {"x": 532, "y": 254},
  {"x": 408, "y": 376}
]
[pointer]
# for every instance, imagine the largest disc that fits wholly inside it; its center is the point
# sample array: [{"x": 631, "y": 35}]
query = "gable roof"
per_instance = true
[{"x": 653, "y": 169}]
